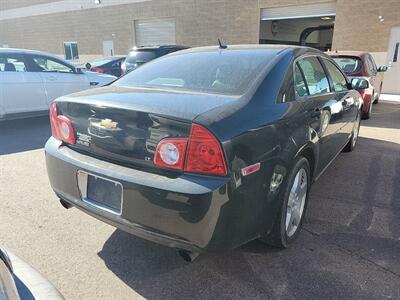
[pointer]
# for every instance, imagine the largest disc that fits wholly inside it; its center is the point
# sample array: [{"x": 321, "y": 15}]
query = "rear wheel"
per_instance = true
[
  {"x": 354, "y": 136},
  {"x": 294, "y": 199},
  {"x": 367, "y": 115},
  {"x": 376, "y": 100}
]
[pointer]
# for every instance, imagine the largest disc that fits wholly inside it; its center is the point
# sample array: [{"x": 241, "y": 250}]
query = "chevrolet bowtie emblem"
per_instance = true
[{"x": 108, "y": 124}]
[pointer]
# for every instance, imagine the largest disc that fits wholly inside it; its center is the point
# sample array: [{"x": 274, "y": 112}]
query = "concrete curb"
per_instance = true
[{"x": 389, "y": 98}]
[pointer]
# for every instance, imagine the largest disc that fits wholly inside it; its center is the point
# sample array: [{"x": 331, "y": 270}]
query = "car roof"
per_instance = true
[
  {"x": 277, "y": 49},
  {"x": 34, "y": 52},
  {"x": 25, "y": 51},
  {"x": 115, "y": 57},
  {"x": 347, "y": 53},
  {"x": 157, "y": 47}
]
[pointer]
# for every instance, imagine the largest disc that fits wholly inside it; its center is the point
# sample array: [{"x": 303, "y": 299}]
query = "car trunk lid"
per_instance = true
[{"x": 124, "y": 125}]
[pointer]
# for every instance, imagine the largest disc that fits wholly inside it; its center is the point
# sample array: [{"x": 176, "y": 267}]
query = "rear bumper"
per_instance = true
[{"x": 183, "y": 212}]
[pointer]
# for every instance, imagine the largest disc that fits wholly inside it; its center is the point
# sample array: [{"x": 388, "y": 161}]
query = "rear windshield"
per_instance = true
[
  {"x": 225, "y": 72},
  {"x": 349, "y": 65},
  {"x": 100, "y": 62},
  {"x": 140, "y": 57}
]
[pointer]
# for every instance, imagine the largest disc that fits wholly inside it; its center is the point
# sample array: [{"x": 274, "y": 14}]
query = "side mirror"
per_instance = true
[
  {"x": 359, "y": 84},
  {"x": 88, "y": 66},
  {"x": 80, "y": 70},
  {"x": 382, "y": 69}
]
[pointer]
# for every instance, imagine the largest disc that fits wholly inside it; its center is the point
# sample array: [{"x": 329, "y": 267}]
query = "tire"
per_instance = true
[
  {"x": 376, "y": 100},
  {"x": 368, "y": 114},
  {"x": 354, "y": 135},
  {"x": 283, "y": 234}
]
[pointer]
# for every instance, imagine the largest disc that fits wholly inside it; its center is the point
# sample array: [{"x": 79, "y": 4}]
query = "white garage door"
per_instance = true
[
  {"x": 299, "y": 11},
  {"x": 155, "y": 32}
]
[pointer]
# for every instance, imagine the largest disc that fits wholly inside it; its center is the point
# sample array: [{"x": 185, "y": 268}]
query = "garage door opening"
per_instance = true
[{"x": 308, "y": 25}]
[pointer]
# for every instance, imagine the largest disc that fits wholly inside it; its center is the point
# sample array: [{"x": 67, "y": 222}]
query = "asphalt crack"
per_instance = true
[{"x": 354, "y": 253}]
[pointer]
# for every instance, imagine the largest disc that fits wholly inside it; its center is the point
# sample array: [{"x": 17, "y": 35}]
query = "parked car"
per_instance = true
[
  {"x": 140, "y": 55},
  {"x": 20, "y": 281},
  {"x": 106, "y": 65},
  {"x": 361, "y": 64},
  {"x": 31, "y": 80},
  {"x": 205, "y": 149}
]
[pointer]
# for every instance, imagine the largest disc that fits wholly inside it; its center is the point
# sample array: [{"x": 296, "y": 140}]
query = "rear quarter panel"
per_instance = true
[{"x": 256, "y": 130}]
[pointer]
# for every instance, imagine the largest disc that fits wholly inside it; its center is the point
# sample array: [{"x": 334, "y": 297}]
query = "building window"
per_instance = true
[{"x": 71, "y": 50}]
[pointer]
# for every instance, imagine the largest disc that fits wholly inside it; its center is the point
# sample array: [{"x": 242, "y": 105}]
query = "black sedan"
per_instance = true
[
  {"x": 107, "y": 65},
  {"x": 205, "y": 149}
]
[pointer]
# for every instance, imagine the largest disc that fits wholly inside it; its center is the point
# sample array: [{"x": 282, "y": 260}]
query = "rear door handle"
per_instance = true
[{"x": 51, "y": 78}]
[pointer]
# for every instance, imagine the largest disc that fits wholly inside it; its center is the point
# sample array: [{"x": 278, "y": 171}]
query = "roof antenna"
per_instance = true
[{"x": 222, "y": 45}]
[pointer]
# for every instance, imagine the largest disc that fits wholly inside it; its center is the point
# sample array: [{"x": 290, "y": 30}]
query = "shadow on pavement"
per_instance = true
[
  {"x": 356, "y": 203},
  {"x": 384, "y": 115},
  {"x": 24, "y": 134},
  {"x": 350, "y": 245},
  {"x": 253, "y": 271}
]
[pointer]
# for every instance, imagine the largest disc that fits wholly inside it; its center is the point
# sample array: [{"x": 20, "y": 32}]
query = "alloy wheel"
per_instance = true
[{"x": 296, "y": 202}]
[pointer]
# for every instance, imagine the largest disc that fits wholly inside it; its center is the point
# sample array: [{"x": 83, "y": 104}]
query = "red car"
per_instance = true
[{"x": 361, "y": 64}]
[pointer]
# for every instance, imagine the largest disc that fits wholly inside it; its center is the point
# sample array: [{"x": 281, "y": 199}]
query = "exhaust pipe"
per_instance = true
[
  {"x": 65, "y": 204},
  {"x": 187, "y": 255}
]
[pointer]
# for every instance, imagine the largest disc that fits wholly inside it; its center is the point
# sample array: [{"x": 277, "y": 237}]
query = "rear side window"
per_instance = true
[
  {"x": 371, "y": 65},
  {"x": 315, "y": 76},
  {"x": 299, "y": 83},
  {"x": 117, "y": 64},
  {"x": 349, "y": 65},
  {"x": 46, "y": 64},
  {"x": 12, "y": 63},
  {"x": 338, "y": 80},
  {"x": 223, "y": 72},
  {"x": 100, "y": 62}
]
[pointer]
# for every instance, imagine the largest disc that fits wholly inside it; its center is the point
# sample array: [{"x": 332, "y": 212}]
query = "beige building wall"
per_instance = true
[
  {"x": 357, "y": 26},
  {"x": 197, "y": 23}
]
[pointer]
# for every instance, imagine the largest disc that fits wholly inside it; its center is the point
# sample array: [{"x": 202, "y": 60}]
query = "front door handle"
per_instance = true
[
  {"x": 51, "y": 78},
  {"x": 348, "y": 101}
]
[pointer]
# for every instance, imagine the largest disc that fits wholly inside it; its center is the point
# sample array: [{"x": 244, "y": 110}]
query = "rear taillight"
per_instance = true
[
  {"x": 97, "y": 69},
  {"x": 170, "y": 153},
  {"x": 204, "y": 153},
  {"x": 61, "y": 126},
  {"x": 200, "y": 153}
]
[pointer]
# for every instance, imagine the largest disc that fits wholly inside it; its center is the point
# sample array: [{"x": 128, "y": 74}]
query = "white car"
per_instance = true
[{"x": 31, "y": 80}]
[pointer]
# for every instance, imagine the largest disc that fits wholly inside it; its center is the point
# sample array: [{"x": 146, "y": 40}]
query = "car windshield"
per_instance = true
[
  {"x": 349, "y": 65},
  {"x": 223, "y": 72}
]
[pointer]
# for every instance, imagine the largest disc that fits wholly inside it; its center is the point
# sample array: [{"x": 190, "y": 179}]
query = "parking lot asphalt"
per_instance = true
[{"x": 349, "y": 247}]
